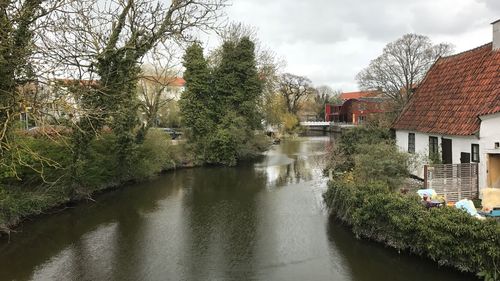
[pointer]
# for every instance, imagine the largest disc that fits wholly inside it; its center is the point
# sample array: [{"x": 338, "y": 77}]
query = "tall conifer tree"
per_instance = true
[
  {"x": 195, "y": 101},
  {"x": 221, "y": 106}
]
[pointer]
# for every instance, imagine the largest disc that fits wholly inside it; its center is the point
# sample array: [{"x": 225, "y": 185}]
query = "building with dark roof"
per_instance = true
[{"x": 455, "y": 111}]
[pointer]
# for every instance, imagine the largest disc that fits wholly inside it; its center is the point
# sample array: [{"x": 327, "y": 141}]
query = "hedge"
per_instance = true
[{"x": 446, "y": 235}]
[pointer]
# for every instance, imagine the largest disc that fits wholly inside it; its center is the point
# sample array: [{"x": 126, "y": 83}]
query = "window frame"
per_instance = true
[
  {"x": 474, "y": 155},
  {"x": 411, "y": 143},
  {"x": 433, "y": 146}
]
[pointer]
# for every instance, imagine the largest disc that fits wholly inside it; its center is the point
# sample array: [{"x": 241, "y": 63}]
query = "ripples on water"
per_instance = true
[{"x": 259, "y": 221}]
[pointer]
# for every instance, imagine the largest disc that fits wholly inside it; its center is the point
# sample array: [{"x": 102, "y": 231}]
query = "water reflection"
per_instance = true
[
  {"x": 294, "y": 162},
  {"x": 259, "y": 221},
  {"x": 222, "y": 223},
  {"x": 379, "y": 262}
]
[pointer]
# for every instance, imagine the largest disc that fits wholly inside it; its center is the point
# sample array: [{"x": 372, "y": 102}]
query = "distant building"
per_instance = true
[
  {"x": 171, "y": 87},
  {"x": 357, "y": 95},
  {"x": 355, "y": 107},
  {"x": 60, "y": 98}
]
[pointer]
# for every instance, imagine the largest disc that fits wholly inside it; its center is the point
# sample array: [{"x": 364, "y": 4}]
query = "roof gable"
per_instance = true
[{"x": 456, "y": 91}]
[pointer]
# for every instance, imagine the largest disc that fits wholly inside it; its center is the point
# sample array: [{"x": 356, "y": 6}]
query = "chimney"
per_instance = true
[{"x": 496, "y": 34}]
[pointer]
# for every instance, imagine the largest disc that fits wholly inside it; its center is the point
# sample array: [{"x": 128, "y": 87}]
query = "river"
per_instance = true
[{"x": 260, "y": 221}]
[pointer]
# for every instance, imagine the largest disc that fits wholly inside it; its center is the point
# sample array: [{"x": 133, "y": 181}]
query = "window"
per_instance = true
[
  {"x": 411, "y": 142},
  {"x": 433, "y": 148},
  {"x": 475, "y": 153}
]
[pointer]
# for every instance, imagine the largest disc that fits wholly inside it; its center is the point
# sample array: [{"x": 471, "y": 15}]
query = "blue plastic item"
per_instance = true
[
  {"x": 494, "y": 213},
  {"x": 466, "y": 205}
]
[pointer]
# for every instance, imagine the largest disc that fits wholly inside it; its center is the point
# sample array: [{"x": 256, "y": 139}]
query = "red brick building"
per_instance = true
[{"x": 355, "y": 107}]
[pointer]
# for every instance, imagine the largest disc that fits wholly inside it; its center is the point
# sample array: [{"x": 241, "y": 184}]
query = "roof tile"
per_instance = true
[{"x": 456, "y": 91}]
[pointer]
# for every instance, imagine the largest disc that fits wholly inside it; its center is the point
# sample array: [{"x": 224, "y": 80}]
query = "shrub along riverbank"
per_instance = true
[
  {"x": 364, "y": 195},
  {"x": 46, "y": 180},
  {"x": 446, "y": 235},
  {"x": 109, "y": 146}
]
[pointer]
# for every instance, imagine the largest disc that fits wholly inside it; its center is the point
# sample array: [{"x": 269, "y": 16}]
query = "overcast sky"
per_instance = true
[{"x": 330, "y": 41}]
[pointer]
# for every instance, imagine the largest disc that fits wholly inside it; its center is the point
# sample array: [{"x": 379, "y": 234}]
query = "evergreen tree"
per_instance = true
[
  {"x": 221, "y": 107},
  {"x": 237, "y": 82},
  {"x": 196, "y": 104}
]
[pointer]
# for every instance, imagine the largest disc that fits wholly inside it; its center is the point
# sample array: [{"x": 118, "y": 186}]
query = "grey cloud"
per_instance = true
[
  {"x": 493, "y": 5},
  {"x": 332, "y": 40}
]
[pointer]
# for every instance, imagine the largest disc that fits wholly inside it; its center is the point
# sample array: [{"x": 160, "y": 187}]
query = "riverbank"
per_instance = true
[
  {"x": 56, "y": 187},
  {"x": 54, "y": 203},
  {"x": 368, "y": 192},
  {"x": 261, "y": 220},
  {"x": 445, "y": 235},
  {"x": 155, "y": 156}
]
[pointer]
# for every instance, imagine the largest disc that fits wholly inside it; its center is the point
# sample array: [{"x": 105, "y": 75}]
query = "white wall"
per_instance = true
[
  {"x": 489, "y": 134},
  {"x": 496, "y": 35},
  {"x": 459, "y": 144}
]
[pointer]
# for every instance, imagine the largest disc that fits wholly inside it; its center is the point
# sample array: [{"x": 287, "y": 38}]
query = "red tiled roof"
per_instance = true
[
  {"x": 456, "y": 91},
  {"x": 178, "y": 82},
  {"x": 170, "y": 81},
  {"x": 357, "y": 95}
]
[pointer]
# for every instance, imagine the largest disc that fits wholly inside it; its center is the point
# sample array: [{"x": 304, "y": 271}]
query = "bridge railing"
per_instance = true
[{"x": 315, "y": 123}]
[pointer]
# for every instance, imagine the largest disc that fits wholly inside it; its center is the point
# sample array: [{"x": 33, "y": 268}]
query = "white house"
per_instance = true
[
  {"x": 455, "y": 112},
  {"x": 170, "y": 88}
]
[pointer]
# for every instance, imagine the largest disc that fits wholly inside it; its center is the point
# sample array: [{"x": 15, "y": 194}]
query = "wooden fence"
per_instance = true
[{"x": 453, "y": 181}]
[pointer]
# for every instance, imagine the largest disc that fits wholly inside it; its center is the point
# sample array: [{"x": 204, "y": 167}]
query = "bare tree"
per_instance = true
[
  {"x": 294, "y": 89},
  {"x": 154, "y": 85},
  {"x": 106, "y": 42},
  {"x": 325, "y": 95},
  {"x": 401, "y": 67},
  {"x": 20, "y": 21}
]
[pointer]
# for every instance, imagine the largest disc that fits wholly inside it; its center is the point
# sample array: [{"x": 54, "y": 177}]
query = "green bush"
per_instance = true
[
  {"x": 230, "y": 142},
  {"x": 42, "y": 160},
  {"x": 381, "y": 162},
  {"x": 369, "y": 154},
  {"x": 341, "y": 157},
  {"x": 16, "y": 203},
  {"x": 222, "y": 148},
  {"x": 154, "y": 155},
  {"x": 45, "y": 180},
  {"x": 99, "y": 169},
  {"x": 352, "y": 139},
  {"x": 446, "y": 235}
]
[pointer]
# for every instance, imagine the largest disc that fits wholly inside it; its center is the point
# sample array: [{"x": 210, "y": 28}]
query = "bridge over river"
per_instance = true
[{"x": 325, "y": 125}]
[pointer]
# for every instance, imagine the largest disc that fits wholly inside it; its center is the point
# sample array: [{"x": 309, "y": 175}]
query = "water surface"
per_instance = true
[{"x": 259, "y": 221}]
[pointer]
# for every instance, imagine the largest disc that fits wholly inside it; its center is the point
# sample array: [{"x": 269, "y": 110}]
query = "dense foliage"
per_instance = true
[
  {"x": 16, "y": 35},
  {"x": 448, "y": 236},
  {"x": 220, "y": 105},
  {"x": 54, "y": 184},
  {"x": 367, "y": 169},
  {"x": 370, "y": 154}
]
